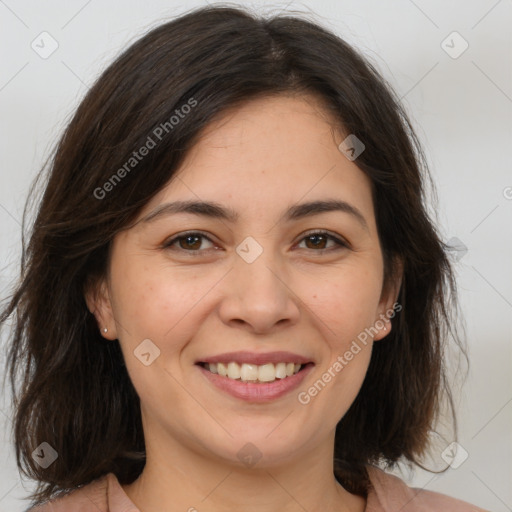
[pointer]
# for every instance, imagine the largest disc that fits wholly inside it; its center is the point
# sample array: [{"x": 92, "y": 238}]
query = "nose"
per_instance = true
[{"x": 257, "y": 297}]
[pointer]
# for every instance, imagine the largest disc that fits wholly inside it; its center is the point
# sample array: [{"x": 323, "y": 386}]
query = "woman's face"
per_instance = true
[{"x": 260, "y": 278}]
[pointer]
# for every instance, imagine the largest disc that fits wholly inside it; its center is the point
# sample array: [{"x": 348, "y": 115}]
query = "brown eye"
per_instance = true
[
  {"x": 318, "y": 241},
  {"x": 189, "y": 242}
]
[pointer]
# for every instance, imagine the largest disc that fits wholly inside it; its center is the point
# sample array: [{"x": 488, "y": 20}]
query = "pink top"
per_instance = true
[{"x": 387, "y": 494}]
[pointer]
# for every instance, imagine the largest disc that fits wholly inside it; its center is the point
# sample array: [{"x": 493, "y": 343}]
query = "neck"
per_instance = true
[{"x": 182, "y": 479}]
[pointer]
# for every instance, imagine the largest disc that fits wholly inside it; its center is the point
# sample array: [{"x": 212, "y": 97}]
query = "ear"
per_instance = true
[
  {"x": 97, "y": 298},
  {"x": 388, "y": 305}
]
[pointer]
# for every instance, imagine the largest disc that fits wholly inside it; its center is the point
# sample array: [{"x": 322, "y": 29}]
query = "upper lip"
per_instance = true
[{"x": 257, "y": 358}]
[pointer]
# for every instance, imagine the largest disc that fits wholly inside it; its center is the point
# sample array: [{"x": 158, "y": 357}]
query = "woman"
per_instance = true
[{"x": 232, "y": 295}]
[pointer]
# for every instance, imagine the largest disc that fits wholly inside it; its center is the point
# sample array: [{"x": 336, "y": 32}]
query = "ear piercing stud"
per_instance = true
[{"x": 105, "y": 329}]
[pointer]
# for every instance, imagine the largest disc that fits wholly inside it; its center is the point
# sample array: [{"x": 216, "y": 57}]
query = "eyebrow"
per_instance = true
[{"x": 217, "y": 211}]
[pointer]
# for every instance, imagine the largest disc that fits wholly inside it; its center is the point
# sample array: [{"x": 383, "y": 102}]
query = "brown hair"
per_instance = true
[{"x": 75, "y": 392}]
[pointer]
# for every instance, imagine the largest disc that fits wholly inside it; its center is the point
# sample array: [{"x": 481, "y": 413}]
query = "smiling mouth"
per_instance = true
[{"x": 245, "y": 372}]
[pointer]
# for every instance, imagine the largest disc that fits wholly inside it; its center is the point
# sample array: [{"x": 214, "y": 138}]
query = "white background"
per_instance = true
[{"x": 462, "y": 109}]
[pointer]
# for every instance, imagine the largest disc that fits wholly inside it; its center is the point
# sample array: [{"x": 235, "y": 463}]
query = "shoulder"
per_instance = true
[
  {"x": 92, "y": 497},
  {"x": 389, "y": 493}
]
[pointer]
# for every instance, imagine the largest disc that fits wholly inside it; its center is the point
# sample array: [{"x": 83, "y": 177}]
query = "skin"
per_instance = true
[{"x": 257, "y": 159}]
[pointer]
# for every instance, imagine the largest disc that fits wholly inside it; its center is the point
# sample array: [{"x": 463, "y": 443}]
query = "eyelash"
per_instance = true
[{"x": 339, "y": 242}]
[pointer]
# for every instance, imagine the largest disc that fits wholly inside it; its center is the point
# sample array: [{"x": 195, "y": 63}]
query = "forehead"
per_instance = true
[
  {"x": 269, "y": 153},
  {"x": 273, "y": 124}
]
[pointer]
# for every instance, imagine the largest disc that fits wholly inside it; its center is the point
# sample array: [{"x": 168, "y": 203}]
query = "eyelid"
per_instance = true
[
  {"x": 325, "y": 232},
  {"x": 174, "y": 238},
  {"x": 338, "y": 239}
]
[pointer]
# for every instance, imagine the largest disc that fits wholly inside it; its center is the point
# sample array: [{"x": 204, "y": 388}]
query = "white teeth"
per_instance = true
[
  {"x": 233, "y": 371},
  {"x": 267, "y": 373},
  {"x": 248, "y": 371},
  {"x": 222, "y": 370},
  {"x": 256, "y": 373},
  {"x": 280, "y": 370}
]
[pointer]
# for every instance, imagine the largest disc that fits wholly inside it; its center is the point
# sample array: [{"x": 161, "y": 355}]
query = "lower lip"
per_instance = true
[{"x": 257, "y": 392}]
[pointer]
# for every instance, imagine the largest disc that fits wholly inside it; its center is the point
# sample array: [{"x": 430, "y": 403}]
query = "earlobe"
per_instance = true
[
  {"x": 98, "y": 302},
  {"x": 389, "y": 301},
  {"x": 383, "y": 327}
]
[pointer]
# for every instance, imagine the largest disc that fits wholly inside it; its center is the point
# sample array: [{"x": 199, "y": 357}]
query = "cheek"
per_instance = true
[
  {"x": 167, "y": 308},
  {"x": 346, "y": 303},
  {"x": 156, "y": 316},
  {"x": 152, "y": 302},
  {"x": 345, "y": 306},
  {"x": 345, "y": 313}
]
